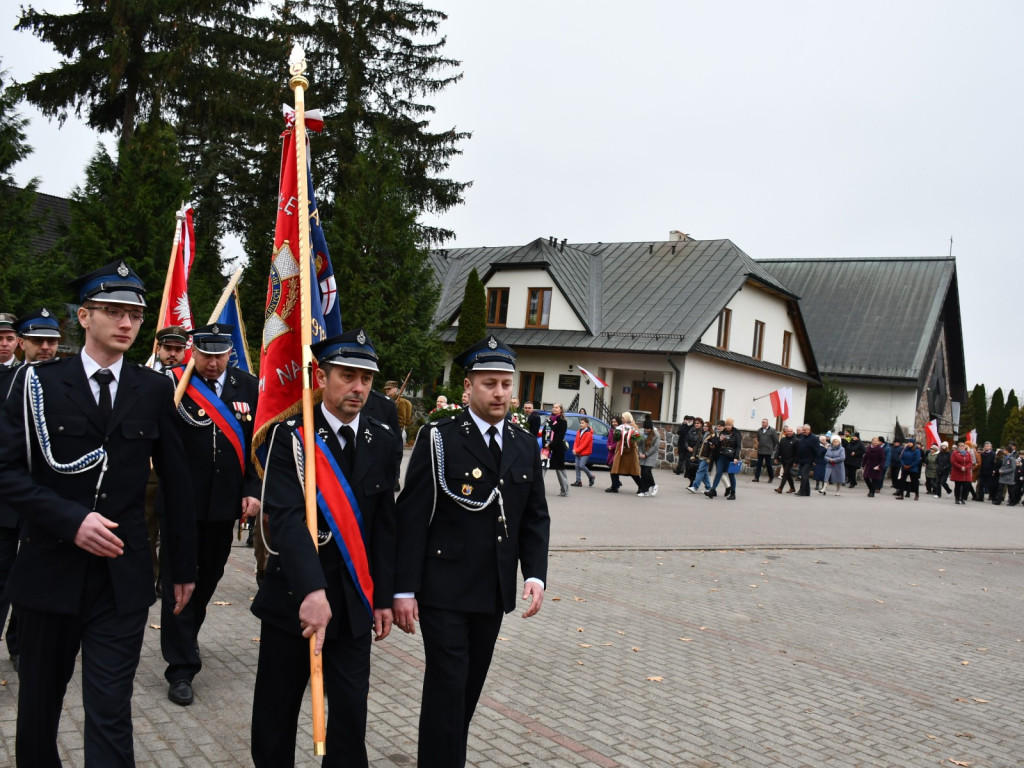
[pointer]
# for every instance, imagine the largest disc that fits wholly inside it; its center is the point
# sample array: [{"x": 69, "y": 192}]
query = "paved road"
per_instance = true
[{"x": 769, "y": 631}]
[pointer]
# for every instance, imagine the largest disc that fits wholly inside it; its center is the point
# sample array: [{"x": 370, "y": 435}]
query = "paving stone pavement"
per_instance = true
[{"x": 770, "y": 631}]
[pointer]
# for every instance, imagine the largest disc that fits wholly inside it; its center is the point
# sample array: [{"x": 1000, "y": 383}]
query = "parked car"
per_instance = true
[{"x": 601, "y": 430}]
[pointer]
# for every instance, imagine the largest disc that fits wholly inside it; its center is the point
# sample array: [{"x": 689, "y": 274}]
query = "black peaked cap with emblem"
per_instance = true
[
  {"x": 40, "y": 324},
  {"x": 213, "y": 339},
  {"x": 116, "y": 283},
  {"x": 172, "y": 334},
  {"x": 490, "y": 354},
  {"x": 7, "y": 321},
  {"x": 352, "y": 348}
]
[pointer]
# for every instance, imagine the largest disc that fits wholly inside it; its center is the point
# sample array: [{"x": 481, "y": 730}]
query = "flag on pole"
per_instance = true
[
  {"x": 281, "y": 345},
  {"x": 972, "y": 436},
  {"x": 178, "y": 309},
  {"x": 598, "y": 382},
  {"x": 239, "y": 357},
  {"x": 931, "y": 431},
  {"x": 782, "y": 401}
]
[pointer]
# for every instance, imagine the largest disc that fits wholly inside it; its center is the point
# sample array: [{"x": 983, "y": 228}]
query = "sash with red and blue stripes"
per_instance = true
[
  {"x": 218, "y": 411},
  {"x": 338, "y": 505}
]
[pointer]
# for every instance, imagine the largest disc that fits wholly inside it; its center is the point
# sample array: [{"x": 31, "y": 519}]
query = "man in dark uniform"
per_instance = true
[
  {"x": 8, "y": 342},
  {"x": 216, "y": 413},
  {"x": 38, "y": 336},
  {"x": 81, "y": 577},
  {"x": 381, "y": 407},
  {"x": 462, "y": 530},
  {"x": 339, "y": 590},
  {"x": 170, "y": 347}
]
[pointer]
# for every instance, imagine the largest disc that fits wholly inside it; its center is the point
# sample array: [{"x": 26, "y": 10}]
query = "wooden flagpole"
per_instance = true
[
  {"x": 298, "y": 83},
  {"x": 179, "y": 219},
  {"x": 179, "y": 391}
]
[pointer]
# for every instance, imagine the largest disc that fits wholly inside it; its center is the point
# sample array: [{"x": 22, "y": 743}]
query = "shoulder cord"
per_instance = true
[
  {"x": 300, "y": 472},
  {"x": 438, "y": 464},
  {"x": 191, "y": 420},
  {"x": 35, "y": 413}
]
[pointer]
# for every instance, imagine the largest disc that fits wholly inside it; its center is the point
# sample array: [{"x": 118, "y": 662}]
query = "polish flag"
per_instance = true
[
  {"x": 782, "y": 401},
  {"x": 931, "y": 431},
  {"x": 973, "y": 436},
  {"x": 599, "y": 383}
]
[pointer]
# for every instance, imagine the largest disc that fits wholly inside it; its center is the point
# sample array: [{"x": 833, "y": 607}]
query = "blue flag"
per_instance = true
[
  {"x": 230, "y": 315},
  {"x": 328, "y": 298}
]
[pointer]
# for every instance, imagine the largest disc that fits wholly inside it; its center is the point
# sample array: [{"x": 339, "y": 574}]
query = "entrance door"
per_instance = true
[{"x": 647, "y": 397}]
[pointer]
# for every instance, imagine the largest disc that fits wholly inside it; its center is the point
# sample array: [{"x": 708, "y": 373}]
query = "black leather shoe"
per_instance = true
[{"x": 180, "y": 693}]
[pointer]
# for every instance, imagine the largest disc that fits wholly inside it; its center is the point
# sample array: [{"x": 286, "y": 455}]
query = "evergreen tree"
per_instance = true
[
  {"x": 996, "y": 418},
  {"x": 24, "y": 280},
  {"x": 979, "y": 412},
  {"x": 1014, "y": 428},
  {"x": 126, "y": 210},
  {"x": 1011, "y": 404},
  {"x": 472, "y": 322},
  {"x": 824, "y": 405},
  {"x": 371, "y": 64},
  {"x": 385, "y": 282}
]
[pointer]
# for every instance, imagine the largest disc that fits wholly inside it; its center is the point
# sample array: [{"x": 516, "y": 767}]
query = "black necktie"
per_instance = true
[
  {"x": 212, "y": 384},
  {"x": 103, "y": 377},
  {"x": 348, "y": 452},
  {"x": 492, "y": 443}
]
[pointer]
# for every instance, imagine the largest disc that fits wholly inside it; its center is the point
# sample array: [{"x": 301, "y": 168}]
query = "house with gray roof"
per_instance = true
[
  {"x": 888, "y": 330},
  {"x": 672, "y": 327}
]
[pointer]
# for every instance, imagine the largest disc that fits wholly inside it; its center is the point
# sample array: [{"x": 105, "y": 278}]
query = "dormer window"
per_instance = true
[
  {"x": 497, "y": 307},
  {"x": 538, "y": 307}
]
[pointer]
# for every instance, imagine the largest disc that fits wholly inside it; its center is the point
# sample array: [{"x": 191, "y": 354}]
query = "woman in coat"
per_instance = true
[
  {"x": 819, "y": 463},
  {"x": 627, "y": 459},
  {"x": 648, "y": 449},
  {"x": 961, "y": 469},
  {"x": 873, "y": 465},
  {"x": 835, "y": 465},
  {"x": 554, "y": 441}
]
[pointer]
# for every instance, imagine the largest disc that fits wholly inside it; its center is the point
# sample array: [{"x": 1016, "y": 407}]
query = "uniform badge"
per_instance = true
[
  {"x": 322, "y": 433},
  {"x": 467, "y": 489},
  {"x": 45, "y": 312},
  {"x": 202, "y": 412},
  {"x": 368, "y": 437},
  {"x": 492, "y": 343},
  {"x": 215, "y": 330},
  {"x": 477, "y": 474},
  {"x": 123, "y": 270},
  {"x": 361, "y": 337}
]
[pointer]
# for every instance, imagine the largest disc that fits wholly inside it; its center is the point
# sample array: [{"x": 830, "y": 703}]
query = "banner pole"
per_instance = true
[
  {"x": 179, "y": 220},
  {"x": 298, "y": 83}
]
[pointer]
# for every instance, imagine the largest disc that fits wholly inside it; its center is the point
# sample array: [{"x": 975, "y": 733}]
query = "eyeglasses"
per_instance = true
[{"x": 117, "y": 313}]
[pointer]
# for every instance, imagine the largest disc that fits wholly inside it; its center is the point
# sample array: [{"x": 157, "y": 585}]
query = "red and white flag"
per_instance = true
[
  {"x": 599, "y": 383},
  {"x": 931, "y": 432},
  {"x": 179, "y": 309},
  {"x": 972, "y": 436},
  {"x": 782, "y": 401}
]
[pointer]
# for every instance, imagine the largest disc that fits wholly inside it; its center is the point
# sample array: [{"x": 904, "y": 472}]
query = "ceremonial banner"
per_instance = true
[
  {"x": 239, "y": 357},
  {"x": 931, "y": 431},
  {"x": 281, "y": 347},
  {"x": 178, "y": 310}
]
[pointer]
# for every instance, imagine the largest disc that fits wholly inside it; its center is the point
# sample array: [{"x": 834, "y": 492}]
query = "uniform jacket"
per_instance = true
[
  {"x": 465, "y": 559},
  {"x": 383, "y": 409},
  {"x": 8, "y": 376},
  {"x": 49, "y": 570},
  {"x": 298, "y": 568},
  {"x": 218, "y": 482}
]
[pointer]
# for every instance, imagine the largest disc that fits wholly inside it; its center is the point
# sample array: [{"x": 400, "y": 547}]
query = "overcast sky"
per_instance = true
[{"x": 794, "y": 129}]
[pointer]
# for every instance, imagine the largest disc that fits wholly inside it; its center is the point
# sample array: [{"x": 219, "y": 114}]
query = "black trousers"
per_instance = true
[
  {"x": 110, "y": 645},
  {"x": 458, "y": 647},
  {"x": 766, "y": 460},
  {"x": 179, "y": 635},
  {"x": 281, "y": 678},
  {"x": 806, "y": 471},
  {"x": 8, "y": 551},
  {"x": 787, "y": 474},
  {"x": 910, "y": 482}
]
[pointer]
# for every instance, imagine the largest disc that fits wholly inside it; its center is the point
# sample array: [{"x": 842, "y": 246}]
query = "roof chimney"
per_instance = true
[
  {"x": 564, "y": 241},
  {"x": 679, "y": 236}
]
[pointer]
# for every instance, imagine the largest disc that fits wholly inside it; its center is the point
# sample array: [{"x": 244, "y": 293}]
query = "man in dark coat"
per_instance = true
[
  {"x": 805, "y": 454},
  {"x": 38, "y": 336},
  {"x": 986, "y": 472},
  {"x": 216, "y": 416},
  {"x": 854, "y": 458},
  {"x": 532, "y": 419},
  {"x": 683, "y": 435},
  {"x": 785, "y": 457},
  {"x": 473, "y": 508},
  {"x": 322, "y": 590},
  {"x": 767, "y": 443},
  {"x": 81, "y": 579}
]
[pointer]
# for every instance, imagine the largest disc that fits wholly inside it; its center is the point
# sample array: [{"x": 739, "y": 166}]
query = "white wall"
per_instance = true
[
  {"x": 754, "y": 303},
  {"x": 873, "y": 409},
  {"x": 519, "y": 281}
]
